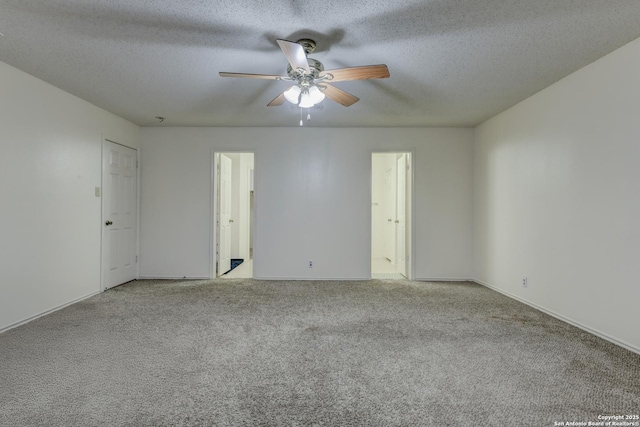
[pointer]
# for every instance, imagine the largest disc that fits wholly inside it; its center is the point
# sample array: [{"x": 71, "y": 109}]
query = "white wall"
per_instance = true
[
  {"x": 312, "y": 195},
  {"x": 556, "y": 198},
  {"x": 51, "y": 150}
]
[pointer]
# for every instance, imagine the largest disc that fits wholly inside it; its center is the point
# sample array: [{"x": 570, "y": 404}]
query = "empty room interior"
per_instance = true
[{"x": 295, "y": 213}]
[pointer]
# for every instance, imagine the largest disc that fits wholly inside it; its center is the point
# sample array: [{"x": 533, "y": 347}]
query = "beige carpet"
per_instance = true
[{"x": 252, "y": 353}]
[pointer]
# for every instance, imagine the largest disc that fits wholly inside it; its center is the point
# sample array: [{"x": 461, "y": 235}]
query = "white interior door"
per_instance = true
[
  {"x": 401, "y": 215},
  {"x": 119, "y": 214},
  {"x": 390, "y": 215},
  {"x": 224, "y": 218}
]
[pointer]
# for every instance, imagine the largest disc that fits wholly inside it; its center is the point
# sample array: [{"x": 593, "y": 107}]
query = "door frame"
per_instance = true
[
  {"x": 390, "y": 188},
  {"x": 225, "y": 200},
  {"x": 410, "y": 231},
  {"x": 103, "y": 255},
  {"x": 399, "y": 261},
  {"x": 213, "y": 191}
]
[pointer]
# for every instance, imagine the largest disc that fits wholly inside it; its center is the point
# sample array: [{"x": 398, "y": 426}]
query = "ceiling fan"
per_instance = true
[{"x": 311, "y": 80}]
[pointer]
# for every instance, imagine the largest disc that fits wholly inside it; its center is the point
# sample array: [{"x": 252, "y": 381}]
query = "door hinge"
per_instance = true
[{"x": 136, "y": 258}]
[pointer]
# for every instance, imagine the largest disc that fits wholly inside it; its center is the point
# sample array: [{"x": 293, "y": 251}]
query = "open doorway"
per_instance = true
[
  {"x": 233, "y": 215},
  {"x": 391, "y": 215}
]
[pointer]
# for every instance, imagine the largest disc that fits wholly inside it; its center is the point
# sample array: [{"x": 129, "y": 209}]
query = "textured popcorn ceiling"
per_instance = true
[{"x": 452, "y": 62}]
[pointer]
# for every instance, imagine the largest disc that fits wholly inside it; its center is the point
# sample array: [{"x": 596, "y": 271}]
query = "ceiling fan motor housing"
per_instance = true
[{"x": 314, "y": 65}]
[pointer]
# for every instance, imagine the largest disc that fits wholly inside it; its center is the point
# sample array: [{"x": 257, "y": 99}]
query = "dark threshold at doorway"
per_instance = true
[{"x": 234, "y": 263}]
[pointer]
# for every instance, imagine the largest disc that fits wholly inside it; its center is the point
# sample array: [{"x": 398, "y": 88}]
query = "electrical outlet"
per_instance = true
[
  {"x": 310, "y": 264},
  {"x": 525, "y": 282}
]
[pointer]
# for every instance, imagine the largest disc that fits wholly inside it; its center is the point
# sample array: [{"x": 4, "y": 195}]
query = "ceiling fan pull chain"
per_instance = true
[
  {"x": 300, "y": 116},
  {"x": 308, "y": 115}
]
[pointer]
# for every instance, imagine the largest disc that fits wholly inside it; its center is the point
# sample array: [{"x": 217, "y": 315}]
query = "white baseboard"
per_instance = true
[
  {"x": 44, "y": 313},
  {"x": 442, "y": 279},
  {"x": 320, "y": 279},
  {"x": 173, "y": 278},
  {"x": 563, "y": 318}
]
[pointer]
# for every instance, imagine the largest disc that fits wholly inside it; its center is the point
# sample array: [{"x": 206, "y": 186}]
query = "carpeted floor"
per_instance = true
[{"x": 253, "y": 353}]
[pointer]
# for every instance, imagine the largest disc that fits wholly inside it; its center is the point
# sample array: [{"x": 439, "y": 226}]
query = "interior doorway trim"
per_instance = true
[
  {"x": 411, "y": 274},
  {"x": 213, "y": 232}
]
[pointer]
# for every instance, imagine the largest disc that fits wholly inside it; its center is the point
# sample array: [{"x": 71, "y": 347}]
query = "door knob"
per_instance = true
[
  {"x": 397, "y": 222},
  {"x": 230, "y": 221},
  {"x": 108, "y": 223},
  {"x": 389, "y": 220}
]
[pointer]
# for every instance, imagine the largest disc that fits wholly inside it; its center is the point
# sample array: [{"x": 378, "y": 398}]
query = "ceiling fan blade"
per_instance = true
[
  {"x": 253, "y": 76},
  {"x": 295, "y": 54},
  {"x": 358, "y": 73},
  {"x": 338, "y": 95},
  {"x": 278, "y": 100}
]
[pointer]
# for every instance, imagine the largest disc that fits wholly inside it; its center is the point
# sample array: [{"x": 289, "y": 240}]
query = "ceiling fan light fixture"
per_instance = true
[
  {"x": 316, "y": 95},
  {"x": 305, "y": 100},
  {"x": 292, "y": 94}
]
